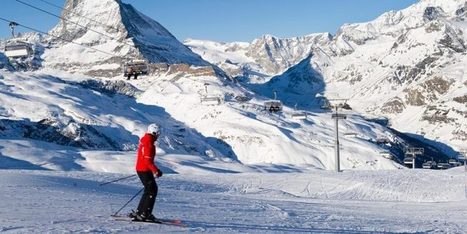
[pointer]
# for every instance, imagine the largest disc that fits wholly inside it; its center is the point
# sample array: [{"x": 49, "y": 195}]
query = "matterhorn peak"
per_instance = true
[{"x": 106, "y": 33}]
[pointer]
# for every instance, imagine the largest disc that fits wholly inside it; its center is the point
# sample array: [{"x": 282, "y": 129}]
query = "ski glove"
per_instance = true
[{"x": 158, "y": 173}]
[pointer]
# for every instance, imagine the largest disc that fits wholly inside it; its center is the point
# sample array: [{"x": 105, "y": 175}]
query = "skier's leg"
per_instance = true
[
  {"x": 152, "y": 197},
  {"x": 146, "y": 204},
  {"x": 143, "y": 203}
]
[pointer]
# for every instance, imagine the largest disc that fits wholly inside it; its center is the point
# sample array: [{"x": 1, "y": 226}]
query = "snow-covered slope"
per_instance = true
[
  {"x": 117, "y": 32},
  {"x": 313, "y": 202},
  {"x": 256, "y": 136},
  {"x": 79, "y": 112},
  {"x": 74, "y": 111}
]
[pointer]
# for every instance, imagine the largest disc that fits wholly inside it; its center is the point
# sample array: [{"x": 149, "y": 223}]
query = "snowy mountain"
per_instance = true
[
  {"x": 116, "y": 33},
  {"x": 407, "y": 65},
  {"x": 203, "y": 115},
  {"x": 264, "y": 57}
]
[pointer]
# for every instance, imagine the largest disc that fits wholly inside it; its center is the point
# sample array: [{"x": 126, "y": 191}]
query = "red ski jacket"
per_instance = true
[{"x": 146, "y": 154}]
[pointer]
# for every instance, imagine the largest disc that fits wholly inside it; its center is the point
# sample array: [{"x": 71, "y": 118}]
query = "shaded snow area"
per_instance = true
[
  {"x": 74, "y": 111},
  {"x": 249, "y": 202}
]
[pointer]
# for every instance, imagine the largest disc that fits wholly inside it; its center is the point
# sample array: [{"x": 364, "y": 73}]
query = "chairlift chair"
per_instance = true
[
  {"x": 325, "y": 105},
  {"x": 18, "y": 49},
  {"x": 15, "y": 49},
  {"x": 299, "y": 115},
  {"x": 140, "y": 67},
  {"x": 444, "y": 165},
  {"x": 454, "y": 162},
  {"x": 351, "y": 134},
  {"x": 273, "y": 106},
  {"x": 211, "y": 100},
  {"x": 427, "y": 165},
  {"x": 386, "y": 154},
  {"x": 408, "y": 160}
]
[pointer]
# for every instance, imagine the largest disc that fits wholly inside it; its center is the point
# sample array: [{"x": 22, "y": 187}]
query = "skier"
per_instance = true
[{"x": 147, "y": 172}]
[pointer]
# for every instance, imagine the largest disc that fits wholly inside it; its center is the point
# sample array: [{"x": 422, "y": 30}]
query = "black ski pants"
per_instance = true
[{"x": 146, "y": 204}]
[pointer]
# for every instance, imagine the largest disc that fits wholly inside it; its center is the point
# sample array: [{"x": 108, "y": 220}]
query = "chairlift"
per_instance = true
[
  {"x": 18, "y": 49},
  {"x": 15, "y": 49},
  {"x": 299, "y": 116},
  {"x": 210, "y": 100},
  {"x": 386, "y": 154},
  {"x": 415, "y": 151},
  {"x": 325, "y": 105},
  {"x": 273, "y": 106},
  {"x": 454, "y": 162},
  {"x": 382, "y": 140},
  {"x": 429, "y": 165},
  {"x": 350, "y": 134},
  {"x": 408, "y": 160},
  {"x": 138, "y": 67},
  {"x": 444, "y": 165}
]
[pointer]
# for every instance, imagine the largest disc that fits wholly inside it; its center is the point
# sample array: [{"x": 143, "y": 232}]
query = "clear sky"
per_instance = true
[{"x": 227, "y": 20}]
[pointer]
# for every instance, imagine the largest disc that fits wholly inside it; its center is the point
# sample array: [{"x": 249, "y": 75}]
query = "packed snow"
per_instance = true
[{"x": 219, "y": 197}]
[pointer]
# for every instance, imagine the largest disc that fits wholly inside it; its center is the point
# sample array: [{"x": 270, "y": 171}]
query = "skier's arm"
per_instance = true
[{"x": 149, "y": 152}]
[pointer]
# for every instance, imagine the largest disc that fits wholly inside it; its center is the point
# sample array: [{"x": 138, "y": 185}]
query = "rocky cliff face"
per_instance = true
[
  {"x": 276, "y": 55},
  {"x": 409, "y": 66},
  {"x": 116, "y": 32},
  {"x": 264, "y": 57}
]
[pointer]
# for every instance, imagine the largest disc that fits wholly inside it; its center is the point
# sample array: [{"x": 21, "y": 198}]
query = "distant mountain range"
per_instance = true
[{"x": 407, "y": 65}]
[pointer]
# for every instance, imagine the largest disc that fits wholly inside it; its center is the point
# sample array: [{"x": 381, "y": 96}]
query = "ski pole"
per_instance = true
[
  {"x": 126, "y": 177},
  {"x": 128, "y": 202}
]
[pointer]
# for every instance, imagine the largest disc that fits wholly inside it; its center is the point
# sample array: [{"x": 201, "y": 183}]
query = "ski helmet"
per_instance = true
[{"x": 154, "y": 129}]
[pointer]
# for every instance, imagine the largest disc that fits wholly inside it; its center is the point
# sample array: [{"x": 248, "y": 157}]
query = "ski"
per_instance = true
[{"x": 171, "y": 222}]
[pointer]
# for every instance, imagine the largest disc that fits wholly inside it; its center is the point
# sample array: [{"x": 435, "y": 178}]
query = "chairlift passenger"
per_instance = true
[{"x": 131, "y": 71}]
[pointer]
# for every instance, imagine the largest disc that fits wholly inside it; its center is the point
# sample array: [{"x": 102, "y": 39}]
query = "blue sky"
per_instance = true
[{"x": 228, "y": 20}]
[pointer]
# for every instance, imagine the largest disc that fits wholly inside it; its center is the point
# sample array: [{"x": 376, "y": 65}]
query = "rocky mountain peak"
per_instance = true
[{"x": 116, "y": 32}]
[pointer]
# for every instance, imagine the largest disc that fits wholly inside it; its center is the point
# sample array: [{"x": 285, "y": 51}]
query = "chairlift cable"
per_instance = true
[
  {"x": 80, "y": 15},
  {"x": 60, "y": 38},
  {"x": 67, "y": 20},
  {"x": 52, "y": 14}
]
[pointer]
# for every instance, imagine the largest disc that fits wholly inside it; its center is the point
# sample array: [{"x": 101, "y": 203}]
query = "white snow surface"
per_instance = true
[{"x": 216, "y": 197}]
